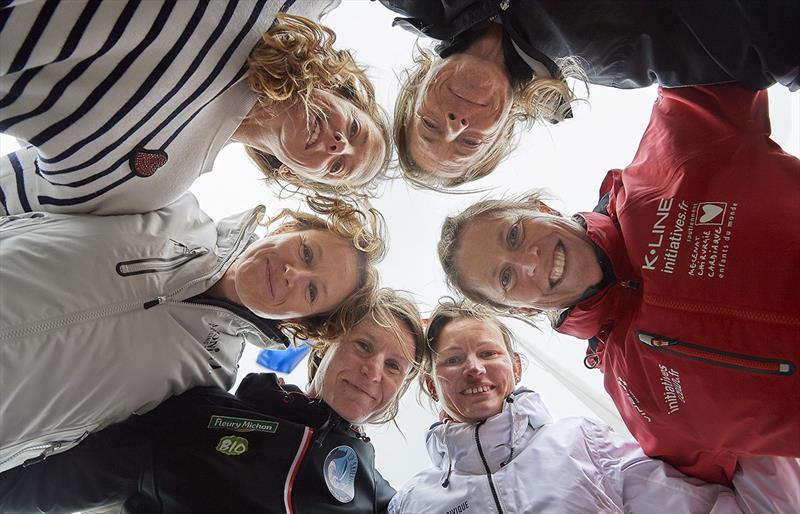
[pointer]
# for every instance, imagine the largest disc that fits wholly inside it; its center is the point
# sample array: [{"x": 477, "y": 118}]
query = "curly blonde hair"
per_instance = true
[
  {"x": 390, "y": 310},
  {"x": 294, "y": 58},
  {"x": 540, "y": 99},
  {"x": 359, "y": 223}
]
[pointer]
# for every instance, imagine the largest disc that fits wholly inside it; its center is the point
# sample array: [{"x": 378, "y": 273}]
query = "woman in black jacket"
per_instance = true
[{"x": 269, "y": 448}]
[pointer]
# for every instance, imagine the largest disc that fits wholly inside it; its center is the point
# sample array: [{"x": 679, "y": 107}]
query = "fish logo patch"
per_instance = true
[{"x": 340, "y": 469}]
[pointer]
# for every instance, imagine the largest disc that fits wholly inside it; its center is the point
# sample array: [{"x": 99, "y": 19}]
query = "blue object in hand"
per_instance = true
[{"x": 283, "y": 361}]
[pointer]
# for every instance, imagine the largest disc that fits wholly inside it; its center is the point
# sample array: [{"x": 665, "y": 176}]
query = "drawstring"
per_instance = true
[
  {"x": 446, "y": 481},
  {"x": 513, "y": 438}
]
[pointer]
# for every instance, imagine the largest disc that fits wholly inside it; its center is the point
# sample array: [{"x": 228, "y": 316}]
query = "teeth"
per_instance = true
[
  {"x": 314, "y": 133},
  {"x": 476, "y": 390},
  {"x": 558, "y": 264}
]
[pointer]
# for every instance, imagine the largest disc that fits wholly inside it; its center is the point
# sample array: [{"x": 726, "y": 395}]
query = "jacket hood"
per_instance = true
[{"x": 452, "y": 445}]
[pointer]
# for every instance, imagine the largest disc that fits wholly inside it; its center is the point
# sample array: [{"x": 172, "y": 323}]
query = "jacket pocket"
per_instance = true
[
  {"x": 159, "y": 264},
  {"x": 717, "y": 357}
]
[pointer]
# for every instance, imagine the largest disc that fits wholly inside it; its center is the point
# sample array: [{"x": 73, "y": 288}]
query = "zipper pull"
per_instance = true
[
  {"x": 630, "y": 284},
  {"x": 153, "y": 303}
]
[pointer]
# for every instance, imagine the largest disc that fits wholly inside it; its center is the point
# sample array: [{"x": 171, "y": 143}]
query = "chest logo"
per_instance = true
[
  {"x": 146, "y": 162},
  {"x": 340, "y": 469},
  {"x": 232, "y": 445},
  {"x": 242, "y": 424}
]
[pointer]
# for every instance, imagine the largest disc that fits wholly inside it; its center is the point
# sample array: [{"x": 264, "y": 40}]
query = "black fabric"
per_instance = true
[
  {"x": 633, "y": 43},
  {"x": 168, "y": 460}
]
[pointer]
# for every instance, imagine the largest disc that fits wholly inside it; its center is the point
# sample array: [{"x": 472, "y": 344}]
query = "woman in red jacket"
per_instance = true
[{"x": 683, "y": 279}]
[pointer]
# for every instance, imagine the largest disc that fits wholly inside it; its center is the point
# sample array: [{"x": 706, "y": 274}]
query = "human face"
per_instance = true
[
  {"x": 473, "y": 371},
  {"x": 527, "y": 260},
  {"x": 364, "y": 371},
  {"x": 338, "y": 144},
  {"x": 296, "y": 274},
  {"x": 461, "y": 108}
]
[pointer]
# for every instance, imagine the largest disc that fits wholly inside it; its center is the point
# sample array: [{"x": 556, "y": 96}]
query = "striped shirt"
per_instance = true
[{"x": 123, "y": 103}]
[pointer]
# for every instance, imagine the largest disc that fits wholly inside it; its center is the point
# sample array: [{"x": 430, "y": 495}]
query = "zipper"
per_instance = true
[
  {"x": 721, "y": 310},
  {"x": 294, "y": 469},
  {"x": 718, "y": 357},
  {"x": 159, "y": 264},
  {"x": 47, "y": 449},
  {"x": 486, "y": 467}
]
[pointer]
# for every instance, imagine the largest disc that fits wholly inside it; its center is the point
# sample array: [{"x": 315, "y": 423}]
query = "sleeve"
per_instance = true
[
  {"x": 651, "y": 485},
  {"x": 768, "y": 484},
  {"x": 384, "y": 493},
  {"x": 17, "y": 179}
]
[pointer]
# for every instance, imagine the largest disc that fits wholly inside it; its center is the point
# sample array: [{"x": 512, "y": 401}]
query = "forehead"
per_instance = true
[
  {"x": 385, "y": 336},
  {"x": 465, "y": 333}
]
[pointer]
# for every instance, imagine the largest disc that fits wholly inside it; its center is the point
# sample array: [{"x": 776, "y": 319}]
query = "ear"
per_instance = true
[
  {"x": 516, "y": 363},
  {"x": 524, "y": 311},
  {"x": 284, "y": 171},
  {"x": 543, "y": 207},
  {"x": 431, "y": 387}
]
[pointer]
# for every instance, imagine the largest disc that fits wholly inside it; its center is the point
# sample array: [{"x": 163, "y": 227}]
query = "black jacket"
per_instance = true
[
  {"x": 268, "y": 449},
  {"x": 630, "y": 43}
]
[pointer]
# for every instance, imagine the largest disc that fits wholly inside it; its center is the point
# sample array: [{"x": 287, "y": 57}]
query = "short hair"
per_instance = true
[
  {"x": 388, "y": 309},
  {"x": 453, "y": 226},
  {"x": 357, "y": 222},
  {"x": 540, "y": 99},
  {"x": 292, "y": 59}
]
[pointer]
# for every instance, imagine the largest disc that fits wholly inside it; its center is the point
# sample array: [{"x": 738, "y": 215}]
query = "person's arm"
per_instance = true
[
  {"x": 768, "y": 484},
  {"x": 17, "y": 182},
  {"x": 384, "y": 492}
]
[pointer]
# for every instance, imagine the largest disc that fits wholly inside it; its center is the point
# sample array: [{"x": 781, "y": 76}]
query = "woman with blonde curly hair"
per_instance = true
[
  {"x": 502, "y": 64},
  {"x": 124, "y": 105},
  {"x": 269, "y": 448},
  {"x": 144, "y": 306}
]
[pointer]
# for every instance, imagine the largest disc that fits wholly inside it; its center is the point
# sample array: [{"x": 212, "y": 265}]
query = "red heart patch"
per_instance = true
[{"x": 146, "y": 162}]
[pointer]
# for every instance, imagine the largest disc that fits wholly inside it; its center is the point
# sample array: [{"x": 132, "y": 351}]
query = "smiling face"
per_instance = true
[
  {"x": 461, "y": 108},
  {"x": 473, "y": 371},
  {"x": 365, "y": 370},
  {"x": 343, "y": 145},
  {"x": 527, "y": 260},
  {"x": 296, "y": 274}
]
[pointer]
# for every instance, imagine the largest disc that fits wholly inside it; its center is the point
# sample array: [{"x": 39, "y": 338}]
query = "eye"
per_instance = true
[
  {"x": 429, "y": 123},
  {"x": 488, "y": 353},
  {"x": 450, "y": 361},
  {"x": 513, "y": 236},
  {"x": 353, "y": 128},
  {"x": 337, "y": 166},
  {"x": 471, "y": 142},
  {"x": 394, "y": 366},
  {"x": 308, "y": 254},
  {"x": 362, "y": 346},
  {"x": 312, "y": 293},
  {"x": 505, "y": 278}
]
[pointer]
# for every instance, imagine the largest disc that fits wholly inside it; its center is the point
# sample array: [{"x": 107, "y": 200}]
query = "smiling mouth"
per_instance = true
[
  {"x": 559, "y": 262},
  {"x": 313, "y": 136},
  {"x": 358, "y": 389},
  {"x": 477, "y": 390}
]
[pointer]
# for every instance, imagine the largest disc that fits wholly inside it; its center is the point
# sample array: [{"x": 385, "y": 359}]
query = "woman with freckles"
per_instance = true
[
  {"x": 499, "y": 450},
  {"x": 681, "y": 279},
  {"x": 105, "y": 316},
  {"x": 270, "y": 448}
]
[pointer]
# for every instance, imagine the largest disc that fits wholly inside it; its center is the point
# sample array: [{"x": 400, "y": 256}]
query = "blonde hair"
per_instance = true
[
  {"x": 359, "y": 223},
  {"x": 453, "y": 226},
  {"x": 390, "y": 310},
  {"x": 295, "y": 57},
  {"x": 540, "y": 99}
]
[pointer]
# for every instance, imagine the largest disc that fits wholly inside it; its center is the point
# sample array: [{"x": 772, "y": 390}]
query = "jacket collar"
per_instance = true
[
  {"x": 453, "y": 445},
  {"x": 269, "y": 327}
]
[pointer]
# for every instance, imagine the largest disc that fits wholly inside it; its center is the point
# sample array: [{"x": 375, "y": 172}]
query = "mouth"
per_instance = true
[
  {"x": 477, "y": 390},
  {"x": 313, "y": 134},
  {"x": 358, "y": 389},
  {"x": 468, "y": 100},
  {"x": 559, "y": 263},
  {"x": 269, "y": 281}
]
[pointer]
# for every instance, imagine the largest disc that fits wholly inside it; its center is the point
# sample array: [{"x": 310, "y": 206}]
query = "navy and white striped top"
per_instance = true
[{"x": 123, "y": 103}]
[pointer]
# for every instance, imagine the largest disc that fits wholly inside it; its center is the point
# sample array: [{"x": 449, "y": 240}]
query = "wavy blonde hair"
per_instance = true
[
  {"x": 359, "y": 223},
  {"x": 540, "y": 99},
  {"x": 294, "y": 58},
  {"x": 390, "y": 310}
]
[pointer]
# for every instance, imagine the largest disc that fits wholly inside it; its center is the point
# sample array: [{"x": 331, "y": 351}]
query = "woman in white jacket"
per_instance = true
[
  {"x": 499, "y": 450},
  {"x": 104, "y": 316}
]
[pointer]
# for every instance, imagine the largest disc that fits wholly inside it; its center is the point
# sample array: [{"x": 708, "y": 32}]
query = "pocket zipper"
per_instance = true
[
  {"x": 717, "y": 357},
  {"x": 158, "y": 264}
]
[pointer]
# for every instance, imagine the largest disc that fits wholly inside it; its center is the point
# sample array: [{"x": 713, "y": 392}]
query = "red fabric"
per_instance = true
[{"x": 704, "y": 223}]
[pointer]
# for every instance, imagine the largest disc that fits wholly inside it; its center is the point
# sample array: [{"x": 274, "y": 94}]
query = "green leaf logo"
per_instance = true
[{"x": 232, "y": 445}]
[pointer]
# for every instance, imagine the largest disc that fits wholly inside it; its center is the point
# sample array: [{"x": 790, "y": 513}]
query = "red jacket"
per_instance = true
[{"x": 699, "y": 335}]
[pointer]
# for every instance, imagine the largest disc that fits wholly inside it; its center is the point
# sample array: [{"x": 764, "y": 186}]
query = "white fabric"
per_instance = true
[
  {"x": 111, "y": 103},
  {"x": 569, "y": 465},
  {"x": 80, "y": 349}
]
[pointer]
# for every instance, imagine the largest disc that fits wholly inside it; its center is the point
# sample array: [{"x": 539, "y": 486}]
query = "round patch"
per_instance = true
[{"x": 339, "y": 470}]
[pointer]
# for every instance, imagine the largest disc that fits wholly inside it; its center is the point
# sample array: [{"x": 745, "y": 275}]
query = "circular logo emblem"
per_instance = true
[{"x": 340, "y": 469}]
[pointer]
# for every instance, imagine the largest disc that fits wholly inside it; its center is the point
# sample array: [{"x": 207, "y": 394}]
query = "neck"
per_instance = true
[
  {"x": 489, "y": 45},
  {"x": 225, "y": 287},
  {"x": 261, "y": 127}
]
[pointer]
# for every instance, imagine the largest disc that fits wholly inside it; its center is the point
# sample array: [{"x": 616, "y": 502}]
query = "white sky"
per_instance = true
[{"x": 570, "y": 159}]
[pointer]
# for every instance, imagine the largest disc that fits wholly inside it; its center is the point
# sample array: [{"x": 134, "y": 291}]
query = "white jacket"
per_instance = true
[
  {"x": 94, "y": 322},
  {"x": 521, "y": 461}
]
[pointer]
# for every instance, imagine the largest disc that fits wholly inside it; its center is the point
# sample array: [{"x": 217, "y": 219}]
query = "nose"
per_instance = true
[
  {"x": 473, "y": 366},
  {"x": 337, "y": 143},
  {"x": 294, "y": 274},
  {"x": 371, "y": 369},
  {"x": 529, "y": 262},
  {"x": 456, "y": 124}
]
